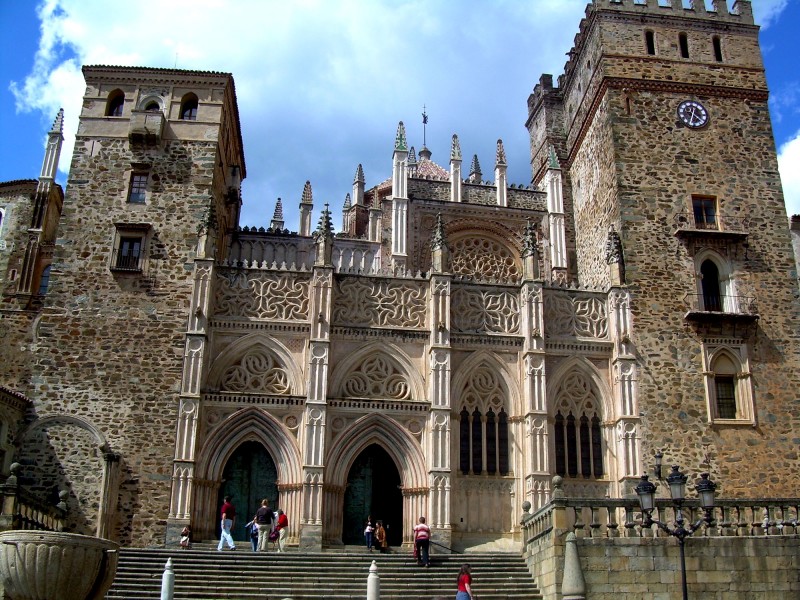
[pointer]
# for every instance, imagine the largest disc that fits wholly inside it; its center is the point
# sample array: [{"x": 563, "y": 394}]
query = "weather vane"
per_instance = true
[{"x": 424, "y": 123}]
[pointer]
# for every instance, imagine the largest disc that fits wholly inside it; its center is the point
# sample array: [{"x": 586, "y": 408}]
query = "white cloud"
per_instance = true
[
  {"x": 321, "y": 85},
  {"x": 766, "y": 12},
  {"x": 789, "y": 166}
]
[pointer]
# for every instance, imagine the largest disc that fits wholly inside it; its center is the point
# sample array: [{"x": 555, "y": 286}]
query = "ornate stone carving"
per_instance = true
[
  {"x": 377, "y": 377},
  {"x": 478, "y": 311},
  {"x": 372, "y": 302},
  {"x": 259, "y": 372},
  {"x": 579, "y": 315},
  {"x": 483, "y": 390},
  {"x": 577, "y": 396},
  {"x": 484, "y": 259},
  {"x": 263, "y": 296}
]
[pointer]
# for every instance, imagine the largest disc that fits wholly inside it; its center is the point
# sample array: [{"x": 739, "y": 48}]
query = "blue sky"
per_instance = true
[{"x": 322, "y": 84}]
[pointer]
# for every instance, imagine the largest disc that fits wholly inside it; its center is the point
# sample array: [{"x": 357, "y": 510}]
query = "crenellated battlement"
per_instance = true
[{"x": 740, "y": 11}]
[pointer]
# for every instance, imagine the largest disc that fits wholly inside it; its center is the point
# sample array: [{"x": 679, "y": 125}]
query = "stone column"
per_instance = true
[{"x": 500, "y": 177}]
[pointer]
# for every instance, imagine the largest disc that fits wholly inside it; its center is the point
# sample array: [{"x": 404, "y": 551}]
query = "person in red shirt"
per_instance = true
[
  {"x": 228, "y": 514},
  {"x": 281, "y": 526},
  {"x": 464, "y": 584},
  {"x": 422, "y": 540}
]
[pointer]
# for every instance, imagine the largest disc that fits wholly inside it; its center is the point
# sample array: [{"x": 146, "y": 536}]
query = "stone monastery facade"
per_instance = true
[{"x": 453, "y": 347}]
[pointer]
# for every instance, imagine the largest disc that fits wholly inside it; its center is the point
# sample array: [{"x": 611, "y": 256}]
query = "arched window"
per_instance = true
[
  {"x": 116, "y": 101},
  {"x": 483, "y": 426},
  {"x": 712, "y": 294},
  {"x": 152, "y": 106},
  {"x": 577, "y": 434},
  {"x": 189, "y": 107},
  {"x": 728, "y": 384}
]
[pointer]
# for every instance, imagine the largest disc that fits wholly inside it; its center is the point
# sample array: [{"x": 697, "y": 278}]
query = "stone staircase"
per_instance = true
[{"x": 242, "y": 575}]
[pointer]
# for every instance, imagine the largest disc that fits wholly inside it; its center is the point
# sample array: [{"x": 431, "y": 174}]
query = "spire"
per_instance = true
[
  {"x": 307, "y": 198},
  {"x": 412, "y": 156},
  {"x": 306, "y": 207},
  {"x": 500, "y": 159},
  {"x": 58, "y": 124},
  {"x": 277, "y": 217},
  {"x": 438, "y": 240},
  {"x": 52, "y": 153},
  {"x": 440, "y": 251},
  {"x": 455, "y": 149},
  {"x": 325, "y": 225},
  {"x": 400, "y": 139},
  {"x": 347, "y": 203},
  {"x": 475, "y": 175},
  {"x": 553, "y": 157},
  {"x": 359, "y": 178},
  {"x": 613, "y": 246}
]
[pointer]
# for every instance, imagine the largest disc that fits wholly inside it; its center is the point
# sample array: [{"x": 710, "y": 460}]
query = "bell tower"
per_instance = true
[{"x": 662, "y": 127}]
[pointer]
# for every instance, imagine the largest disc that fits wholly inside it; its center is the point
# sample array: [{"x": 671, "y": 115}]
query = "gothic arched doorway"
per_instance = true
[
  {"x": 373, "y": 488},
  {"x": 249, "y": 477}
]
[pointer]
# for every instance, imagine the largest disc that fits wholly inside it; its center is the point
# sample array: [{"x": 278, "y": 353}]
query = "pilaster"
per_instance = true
[
  {"x": 626, "y": 391},
  {"x": 315, "y": 414},
  {"x": 399, "y": 198},
  {"x": 500, "y": 177},
  {"x": 556, "y": 222},
  {"x": 455, "y": 170}
]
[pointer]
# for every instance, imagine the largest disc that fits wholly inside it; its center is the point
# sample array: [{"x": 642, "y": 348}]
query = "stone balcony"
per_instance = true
[{"x": 146, "y": 127}]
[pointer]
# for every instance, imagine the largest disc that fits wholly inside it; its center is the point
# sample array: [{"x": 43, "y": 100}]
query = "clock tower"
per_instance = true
[{"x": 661, "y": 127}]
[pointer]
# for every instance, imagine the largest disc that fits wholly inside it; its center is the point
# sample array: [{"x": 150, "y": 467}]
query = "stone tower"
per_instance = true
[
  {"x": 154, "y": 188},
  {"x": 660, "y": 123}
]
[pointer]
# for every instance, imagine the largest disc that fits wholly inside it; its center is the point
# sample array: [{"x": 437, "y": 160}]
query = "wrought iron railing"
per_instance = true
[
  {"x": 719, "y": 303},
  {"x": 715, "y": 222}
]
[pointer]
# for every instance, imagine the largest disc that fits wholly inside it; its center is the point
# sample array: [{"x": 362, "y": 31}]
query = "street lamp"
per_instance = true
[{"x": 676, "y": 480}]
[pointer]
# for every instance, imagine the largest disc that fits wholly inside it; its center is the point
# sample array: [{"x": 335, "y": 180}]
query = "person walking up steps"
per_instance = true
[
  {"x": 228, "y": 514},
  {"x": 264, "y": 519},
  {"x": 464, "y": 584},
  {"x": 282, "y": 525},
  {"x": 422, "y": 540}
]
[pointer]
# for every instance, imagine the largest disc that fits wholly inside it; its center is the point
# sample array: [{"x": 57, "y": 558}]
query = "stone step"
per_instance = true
[{"x": 241, "y": 575}]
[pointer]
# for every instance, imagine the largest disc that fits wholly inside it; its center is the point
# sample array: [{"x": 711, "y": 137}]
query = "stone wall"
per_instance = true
[{"x": 717, "y": 568}]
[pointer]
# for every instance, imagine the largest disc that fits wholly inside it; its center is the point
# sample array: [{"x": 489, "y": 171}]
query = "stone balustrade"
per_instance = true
[
  {"x": 621, "y": 517},
  {"x": 21, "y": 510}
]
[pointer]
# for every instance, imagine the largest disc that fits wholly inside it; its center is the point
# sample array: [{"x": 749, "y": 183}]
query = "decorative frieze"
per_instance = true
[
  {"x": 259, "y": 295},
  {"x": 378, "y": 302},
  {"x": 475, "y": 310}
]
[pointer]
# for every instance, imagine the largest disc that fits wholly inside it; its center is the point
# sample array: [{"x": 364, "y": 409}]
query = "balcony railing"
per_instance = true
[
  {"x": 689, "y": 222},
  {"x": 730, "y": 305}
]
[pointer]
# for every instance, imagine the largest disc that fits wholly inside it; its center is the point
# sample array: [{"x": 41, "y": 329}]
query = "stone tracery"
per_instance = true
[
  {"x": 258, "y": 371},
  {"x": 484, "y": 258},
  {"x": 477, "y": 311},
  {"x": 377, "y": 377},
  {"x": 263, "y": 296},
  {"x": 365, "y": 302}
]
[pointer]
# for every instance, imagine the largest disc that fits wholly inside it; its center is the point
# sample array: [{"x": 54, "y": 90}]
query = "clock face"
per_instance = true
[{"x": 692, "y": 114}]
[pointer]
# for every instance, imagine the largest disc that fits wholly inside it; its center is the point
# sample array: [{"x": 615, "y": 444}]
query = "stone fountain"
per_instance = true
[{"x": 50, "y": 565}]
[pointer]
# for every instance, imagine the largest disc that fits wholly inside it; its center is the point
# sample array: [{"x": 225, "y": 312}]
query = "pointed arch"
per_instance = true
[
  {"x": 250, "y": 424},
  {"x": 592, "y": 375},
  {"x": 393, "y": 355},
  {"x": 253, "y": 343},
  {"x": 387, "y": 433},
  {"x": 715, "y": 295},
  {"x": 481, "y": 358}
]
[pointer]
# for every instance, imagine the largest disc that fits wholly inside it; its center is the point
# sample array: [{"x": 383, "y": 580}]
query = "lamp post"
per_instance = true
[{"x": 676, "y": 480}]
